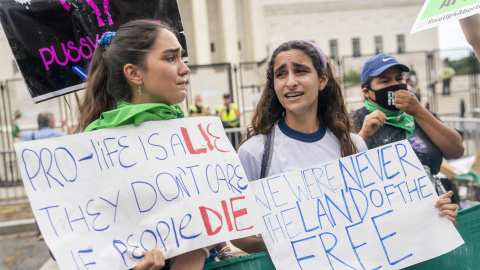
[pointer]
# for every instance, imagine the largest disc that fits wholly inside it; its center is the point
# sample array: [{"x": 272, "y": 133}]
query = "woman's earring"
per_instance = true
[{"x": 139, "y": 90}]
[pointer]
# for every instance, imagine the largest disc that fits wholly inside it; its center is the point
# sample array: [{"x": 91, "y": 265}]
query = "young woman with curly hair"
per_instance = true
[{"x": 303, "y": 111}]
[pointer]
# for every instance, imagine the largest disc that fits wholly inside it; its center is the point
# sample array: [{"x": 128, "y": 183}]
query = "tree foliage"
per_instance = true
[
  {"x": 352, "y": 78},
  {"x": 465, "y": 66}
]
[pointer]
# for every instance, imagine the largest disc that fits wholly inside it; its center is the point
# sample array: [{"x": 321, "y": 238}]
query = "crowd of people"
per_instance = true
[{"x": 137, "y": 75}]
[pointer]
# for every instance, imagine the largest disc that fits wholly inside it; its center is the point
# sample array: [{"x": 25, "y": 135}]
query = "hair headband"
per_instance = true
[
  {"x": 106, "y": 38},
  {"x": 317, "y": 49}
]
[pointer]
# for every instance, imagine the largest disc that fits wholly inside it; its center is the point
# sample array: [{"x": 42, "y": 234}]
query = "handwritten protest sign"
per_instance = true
[
  {"x": 373, "y": 210},
  {"x": 102, "y": 197},
  {"x": 53, "y": 40},
  {"x": 437, "y": 12}
]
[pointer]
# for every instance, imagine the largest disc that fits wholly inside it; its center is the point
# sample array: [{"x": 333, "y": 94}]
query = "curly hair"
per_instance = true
[{"x": 331, "y": 112}]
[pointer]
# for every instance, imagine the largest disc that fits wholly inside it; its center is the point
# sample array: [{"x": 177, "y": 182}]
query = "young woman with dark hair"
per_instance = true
[
  {"x": 137, "y": 75},
  {"x": 303, "y": 101},
  {"x": 300, "y": 121},
  {"x": 303, "y": 111}
]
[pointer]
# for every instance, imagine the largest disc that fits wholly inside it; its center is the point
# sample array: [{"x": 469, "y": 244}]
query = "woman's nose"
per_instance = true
[
  {"x": 292, "y": 81},
  {"x": 184, "y": 70}
]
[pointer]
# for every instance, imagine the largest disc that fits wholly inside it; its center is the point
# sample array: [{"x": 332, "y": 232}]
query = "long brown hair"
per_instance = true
[
  {"x": 107, "y": 84},
  {"x": 331, "y": 111}
]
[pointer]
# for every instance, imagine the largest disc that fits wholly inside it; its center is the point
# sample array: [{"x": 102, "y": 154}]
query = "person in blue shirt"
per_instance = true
[{"x": 46, "y": 128}]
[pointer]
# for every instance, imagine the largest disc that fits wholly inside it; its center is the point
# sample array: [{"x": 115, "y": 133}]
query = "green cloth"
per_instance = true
[
  {"x": 466, "y": 177},
  {"x": 15, "y": 130},
  {"x": 127, "y": 114},
  {"x": 397, "y": 119}
]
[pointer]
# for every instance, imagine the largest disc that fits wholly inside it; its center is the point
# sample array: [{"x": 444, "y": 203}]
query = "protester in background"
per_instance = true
[
  {"x": 447, "y": 74},
  {"x": 228, "y": 112},
  {"x": 412, "y": 75},
  {"x": 301, "y": 113},
  {"x": 471, "y": 29},
  {"x": 412, "y": 88},
  {"x": 137, "y": 75},
  {"x": 392, "y": 114},
  {"x": 199, "y": 109},
  {"x": 230, "y": 116},
  {"x": 46, "y": 128}
]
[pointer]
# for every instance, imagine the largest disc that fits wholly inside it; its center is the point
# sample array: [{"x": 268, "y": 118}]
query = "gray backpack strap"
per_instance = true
[{"x": 267, "y": 152}]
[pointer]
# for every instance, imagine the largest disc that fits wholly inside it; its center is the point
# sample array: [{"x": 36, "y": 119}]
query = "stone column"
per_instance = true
[
  {"x": 256, "y": 30},
  {"x": 200, "y": 31},
  {"x": 229, "y": 30}
]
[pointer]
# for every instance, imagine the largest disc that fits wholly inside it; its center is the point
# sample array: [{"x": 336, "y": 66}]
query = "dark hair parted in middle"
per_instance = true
[
  {"x": 331, "y": 111},
  {"x": 107, "y": 84}
]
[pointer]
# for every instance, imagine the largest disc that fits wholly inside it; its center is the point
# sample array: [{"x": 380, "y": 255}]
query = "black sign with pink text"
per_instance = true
[{"x": 53, "y": 40}]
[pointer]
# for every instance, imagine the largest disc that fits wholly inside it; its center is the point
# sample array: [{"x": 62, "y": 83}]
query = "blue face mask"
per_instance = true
[{"x": 385, "y": 97}]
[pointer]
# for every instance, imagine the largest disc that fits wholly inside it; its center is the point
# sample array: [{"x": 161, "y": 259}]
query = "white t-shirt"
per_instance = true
[{"x": 292, "y": 150}]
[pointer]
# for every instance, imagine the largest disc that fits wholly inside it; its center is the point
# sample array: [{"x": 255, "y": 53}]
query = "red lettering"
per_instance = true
[
  {"x": 204, "y": 134},
  {"x": 236, "y": 214},
  {"x": 239, "y": 213},
  {"x": 190, "y": 148},
  {"x": 206, "y": 220},
  {"x": 227, "y": 216},
  {"x": 216, "y": 139}
]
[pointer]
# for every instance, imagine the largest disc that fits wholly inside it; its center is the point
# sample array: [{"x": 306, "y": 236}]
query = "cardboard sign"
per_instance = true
[
  {"x": 53, "y": 41},
  {"x": 102, "y": 197},
  {"x": 373, "y": 210},
  {"x": 437, "y": 12}
]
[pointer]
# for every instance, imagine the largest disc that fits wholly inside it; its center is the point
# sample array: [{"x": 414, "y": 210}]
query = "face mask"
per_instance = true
[{"x": 385, "y": 97}]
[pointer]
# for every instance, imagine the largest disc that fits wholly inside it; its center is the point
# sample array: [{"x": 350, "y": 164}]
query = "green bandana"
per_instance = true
[
  {"x": 397, "y": 119},
  {"x": 127, "y": 114}
]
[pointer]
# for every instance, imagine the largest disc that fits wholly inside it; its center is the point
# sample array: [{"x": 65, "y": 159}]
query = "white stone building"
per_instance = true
[
  {"x": 239, "y": 31},
  {"x": 349, "y": 31},
  {"x": 340, "y": 27}
]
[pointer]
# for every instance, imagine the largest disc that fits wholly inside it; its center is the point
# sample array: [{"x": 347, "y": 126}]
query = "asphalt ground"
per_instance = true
[{"x": 22, "y": 251}]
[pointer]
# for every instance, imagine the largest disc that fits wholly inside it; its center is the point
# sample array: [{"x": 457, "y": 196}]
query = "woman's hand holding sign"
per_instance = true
[
  {"x": 152, "y": 260},
  {"x": 446, "y": 207},
  {"x": 193, "y": 260}
]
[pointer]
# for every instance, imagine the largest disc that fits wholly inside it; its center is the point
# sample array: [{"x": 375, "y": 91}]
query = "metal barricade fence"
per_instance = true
[
  {"x": 235, "y": 135},
  {"x": 12, "y": 191},
  {"x": 470, "y": 128},
  {"x": 11, "y": 186}
]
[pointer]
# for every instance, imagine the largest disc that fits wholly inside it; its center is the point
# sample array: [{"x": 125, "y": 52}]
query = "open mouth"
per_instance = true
[{"x": 293, "y": 95}]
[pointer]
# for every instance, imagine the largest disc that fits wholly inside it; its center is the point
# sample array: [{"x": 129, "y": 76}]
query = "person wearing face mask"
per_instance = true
[{"x": 392, "y": 113}]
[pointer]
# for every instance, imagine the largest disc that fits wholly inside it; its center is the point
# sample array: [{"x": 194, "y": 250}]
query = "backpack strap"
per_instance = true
[{"x": 267, "y": 152}]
